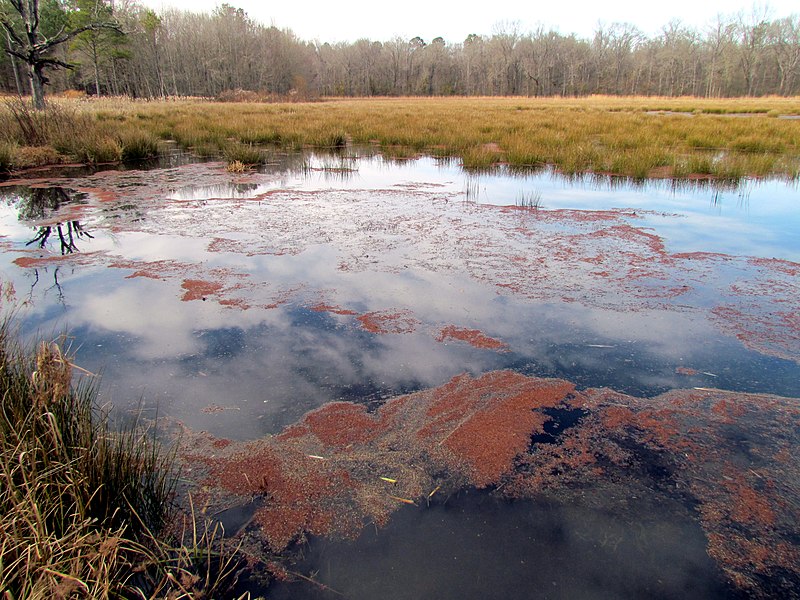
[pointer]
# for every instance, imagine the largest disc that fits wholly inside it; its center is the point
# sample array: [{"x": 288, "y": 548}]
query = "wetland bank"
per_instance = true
[{"x": 375, "y": 366}]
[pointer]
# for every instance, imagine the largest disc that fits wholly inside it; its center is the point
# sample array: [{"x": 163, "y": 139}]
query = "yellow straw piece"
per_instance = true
[{"x": 403, "y": 500}]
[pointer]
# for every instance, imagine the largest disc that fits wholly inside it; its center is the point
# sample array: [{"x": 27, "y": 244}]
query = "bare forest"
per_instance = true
[{"x": 179, "y": 53}]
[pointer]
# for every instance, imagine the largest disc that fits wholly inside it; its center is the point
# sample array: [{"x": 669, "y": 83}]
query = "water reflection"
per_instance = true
[
  {"x": 47, "y": 292},
  {"x": 48, "y": 206},
  {"x": 474, "y": 546},
  {"x": 267, "y": 368},
  {"x": 749, "y": 217},
  {"x": 67, "y": 236},
  {"x": 208, "y": 192},
  {"x": 236, "y": 304},
  {"x": 37, "y": 203},
  {"x": 386, "y": 238}
]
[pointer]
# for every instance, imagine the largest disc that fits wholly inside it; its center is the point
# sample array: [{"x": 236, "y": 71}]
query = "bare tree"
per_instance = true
[
  {"x": 783, "y": 38},
  {"x": 192, "y": 53},
  {"x": 32, "y": 47}
]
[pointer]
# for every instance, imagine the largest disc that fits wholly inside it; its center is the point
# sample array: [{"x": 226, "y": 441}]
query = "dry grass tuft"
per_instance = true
[
  {"x": 84, "y": 509},
  {"x": 236, "y": 166}
]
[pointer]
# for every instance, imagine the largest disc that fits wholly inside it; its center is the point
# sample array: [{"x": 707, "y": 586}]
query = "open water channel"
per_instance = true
[{"x": 243, "y": 305}]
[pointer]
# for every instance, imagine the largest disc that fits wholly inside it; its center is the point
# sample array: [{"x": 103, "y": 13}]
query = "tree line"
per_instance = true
[{"x": 120, "y": 47}]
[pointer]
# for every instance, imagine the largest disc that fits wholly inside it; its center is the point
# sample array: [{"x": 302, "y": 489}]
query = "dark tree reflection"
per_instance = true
[
  {"x": 38, "y": 203},
  {"x": 67, "y": 235},
  {"x": 35, "y": 203}
]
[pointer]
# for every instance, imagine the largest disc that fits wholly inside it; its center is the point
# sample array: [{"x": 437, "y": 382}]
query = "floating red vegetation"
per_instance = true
[
  {"x": 198, "y": 290},
  {"x": 337, "y": 452},
  {"x": 578, "y": 216},
  {"x": 160, "y": 269},
  {"x": 234, "y": 303},
  {"x": 336, "y": 310},
  {"x": 247, "y": 248},
  {"x": 749, "y": 506},
  {"x": 324, "y": 474},
  {"x": 776, "y": 332},
  {"x": 593, "y": 260},
  {"x": 687, "y": 371},
  {"x": 630, "y": 233},
  {"x": 473, "y": 337},
  {"x": 782, "y": 266},
  {"x": 300, "y": 490},
  {"x": 701, "y": 256},
  {"x": 102, "y": 194},
  {"x": 728, "y": 410},
  {"x": 490, "y": 440},
  {"x": 31, "y": 262},
  {"x": 383, "y": 322},
  {"x": 226, "y": 245},
  {"x": 337, "y": 424},
  {"x": 27, "y": 262}
]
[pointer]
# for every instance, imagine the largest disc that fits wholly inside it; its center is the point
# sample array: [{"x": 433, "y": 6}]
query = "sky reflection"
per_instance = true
[{"x": 287, "y": 262}]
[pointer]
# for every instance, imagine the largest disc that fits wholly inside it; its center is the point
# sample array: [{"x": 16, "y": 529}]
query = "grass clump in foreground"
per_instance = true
[
  {"x": 84, "y": 510},
  {"x": 66, "y": 132}
]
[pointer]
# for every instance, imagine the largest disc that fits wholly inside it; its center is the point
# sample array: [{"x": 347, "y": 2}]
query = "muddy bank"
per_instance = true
[{"x": 725, "y": 457}]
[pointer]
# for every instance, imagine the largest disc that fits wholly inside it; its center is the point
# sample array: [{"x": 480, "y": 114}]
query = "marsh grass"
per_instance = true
[
  {"x": 91, "y": 147},
  {"x": 246, "y": 154},
  {"x": 84, "y": 509},
  {"x": 472, "y": 189},
  {"x": 24, "y": 157},
  {"x": 29, "y": 127},
  {"x": 399, "y": 153},
  {"x": 634, "y": 136},
  {"x": 531, "y": 200},
  {"x": 137, "y": 144},
  {"x": 67, "y": 132},
  {"x": 479, "y": 157},
  {"x": 7, "y": 152}
]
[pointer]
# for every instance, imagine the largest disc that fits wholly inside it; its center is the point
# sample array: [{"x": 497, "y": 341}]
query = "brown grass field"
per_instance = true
[{"x": 638, "y": 137}]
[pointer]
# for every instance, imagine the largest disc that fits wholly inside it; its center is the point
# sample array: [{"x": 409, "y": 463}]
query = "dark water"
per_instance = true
[{"x": 474, "y": 546}]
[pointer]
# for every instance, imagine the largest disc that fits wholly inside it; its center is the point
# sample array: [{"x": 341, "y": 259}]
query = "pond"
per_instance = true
[{"x": 243, "y": 307}]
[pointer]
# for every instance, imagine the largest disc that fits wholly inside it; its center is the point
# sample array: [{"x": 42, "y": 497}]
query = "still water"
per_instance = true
[{"x": 237, "y": 303}]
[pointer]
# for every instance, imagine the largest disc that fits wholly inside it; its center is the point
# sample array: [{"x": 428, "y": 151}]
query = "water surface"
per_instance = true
[{"x": 235, "y": 304}]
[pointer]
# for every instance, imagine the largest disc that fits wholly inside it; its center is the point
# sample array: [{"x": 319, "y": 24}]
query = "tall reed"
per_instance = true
[{"x": 84, "y": 508}]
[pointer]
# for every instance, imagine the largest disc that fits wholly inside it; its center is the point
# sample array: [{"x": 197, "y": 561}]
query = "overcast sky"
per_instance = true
[{"x": 348, "y": 20}]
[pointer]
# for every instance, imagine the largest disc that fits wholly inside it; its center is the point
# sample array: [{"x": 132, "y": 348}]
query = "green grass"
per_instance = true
[
  {"x": 85, "y": 509},
  {"x": 531, "y": 200}
]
